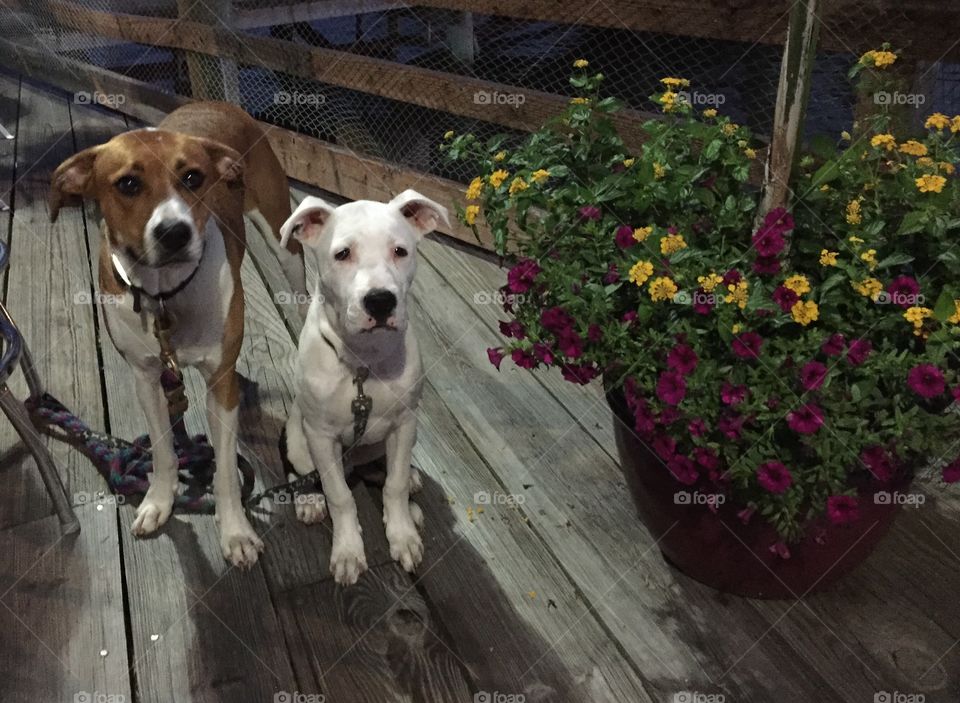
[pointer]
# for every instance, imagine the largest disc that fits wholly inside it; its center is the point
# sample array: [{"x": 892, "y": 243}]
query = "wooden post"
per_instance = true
[
  {"x": 793, "y": 91},
  {"x": 211, "y": 78}
]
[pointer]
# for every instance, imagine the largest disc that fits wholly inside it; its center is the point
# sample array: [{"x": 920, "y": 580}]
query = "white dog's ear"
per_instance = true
[
  {"x": 423, "y": 214},
  {"x": 307, "y": 220}
]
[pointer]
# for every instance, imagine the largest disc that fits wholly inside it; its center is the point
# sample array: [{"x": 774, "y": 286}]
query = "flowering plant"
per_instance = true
[{"x": 786, "y": 361}]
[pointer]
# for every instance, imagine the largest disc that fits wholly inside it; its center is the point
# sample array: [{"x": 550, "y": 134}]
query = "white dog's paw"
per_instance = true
[
  {"x": 417, "y": 514},
  {"x": 347, "y": 559},
  {"x": 240, "y": 544},
  {"x": 311, "y": 507},
  {"x": 153, "y": 511},
  {"x": 416, "y": 480},
  {"x": 406, "y": 547}
]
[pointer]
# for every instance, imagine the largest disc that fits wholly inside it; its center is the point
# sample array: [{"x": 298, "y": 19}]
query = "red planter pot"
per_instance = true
[{"x": 717, "y": 549}]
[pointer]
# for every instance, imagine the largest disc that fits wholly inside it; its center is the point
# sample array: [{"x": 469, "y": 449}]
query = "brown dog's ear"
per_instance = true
[
  {"x": 71, "y": 181},
  {"x": 227, "y": 161}
]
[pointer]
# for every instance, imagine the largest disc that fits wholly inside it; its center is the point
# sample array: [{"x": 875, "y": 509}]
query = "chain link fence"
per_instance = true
[{"x": 733, "y": 62}]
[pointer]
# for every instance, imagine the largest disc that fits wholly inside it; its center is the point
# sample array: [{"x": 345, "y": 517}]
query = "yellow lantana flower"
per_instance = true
[
  {"x": 885, "y": 141},
  {"x": 913, "y": 148},
  {"x": 730, "y": 128},
  {"x": 738, "y": 294},
  {"x": 828, "y": 258},
  {"x": 930, "y": 183},
  {"x": 916, "y": 316},
  {"x": 475, "y": 188},
  {"x": 845, "y": 136},
  {"x": 878, "y": 59},
  {"x": 868, "y": 287},
  {"x": 540, "y": 175},
  {"x": 853, "y": 212},
  {"x": 870, "y": 256},
  {"x": 937, "y": 121},
  {"x": 579, "y": 101},
  {"x": 668, "y": 100},
  {"x": 661, "y": 289},
  {"x": 955, "y": 124},
  {"x": 947, "y": 168},
  {"x": 448, "y": 134},
  {"x": 709, "y": 112},
  {"x": 853, "y": 239},
  {"x": 805, "y": 312},
  {"x": 659, "y": 171},
  {"x": 498, "y": 177},
  {"x": 710, "y": 281},
  {"x": 798, "y": 283},
  {"x": 955, "y": 317},
  {"x": 672, "y": 243},
  {"x": 750, "y": 153},
  {"x": 581, "y": 63},
  {"x": 640, "y": 272},
  {"x": 518, "y": 185},
  {"x": 627, "y": 163},
  {"x": 470, "y": 214},
  {"x": 641, "y": 233},
  {"x": 500, "y": 156},
  {"x": 675, "y": 82}
]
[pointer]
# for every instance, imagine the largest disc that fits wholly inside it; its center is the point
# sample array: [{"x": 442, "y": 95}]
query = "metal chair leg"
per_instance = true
[{"x": 20, "y": 420}]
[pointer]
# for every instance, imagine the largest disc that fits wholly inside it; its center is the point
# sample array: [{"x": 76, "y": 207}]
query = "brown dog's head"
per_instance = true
[{"x": 154, "y": 189}]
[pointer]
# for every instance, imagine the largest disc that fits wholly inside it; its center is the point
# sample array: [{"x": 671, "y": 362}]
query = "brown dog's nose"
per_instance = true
[
  {"x": 379, "y": 304},
  {"x": 172, "y": 235}
]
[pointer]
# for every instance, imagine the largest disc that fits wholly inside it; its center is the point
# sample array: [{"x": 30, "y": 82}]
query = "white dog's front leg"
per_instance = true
[
  {"x": 155, "y": 508},
  {"x": 347, "y": 557},
  {"x": 405, "y": 544},
  {"x": 240, "y": 544}
]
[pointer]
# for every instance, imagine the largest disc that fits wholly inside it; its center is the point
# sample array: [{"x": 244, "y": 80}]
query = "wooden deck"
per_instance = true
[{"x": 562, "y": 597}]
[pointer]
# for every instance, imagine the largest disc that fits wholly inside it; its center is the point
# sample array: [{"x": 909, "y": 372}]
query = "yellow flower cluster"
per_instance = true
[
  {"x": 627, "y": 163},
  {"x": 641, "y": 233},
  {"x": 579, "y": 101},
  {"x": 940, "y": 121},
  {"x": 470, "y": 214},
  {"x": 675, "y": 82},
  {"x": 798, "y": 283},
  {"x": 540, "y": 175},
  {"x": 659, "y": 171},
  {"x": 710, "y": 281},
  {"x": 870, "y": 257},
  {"x": 955, "y": 317},
  {"x": 475, "y": 188},
  {"x": 518, "y": 185},
  {"x": 805, "y": 312},
  {"x": 498, "y": 177},
  {"x": 750, "y": 153},
  {"x": 930, "y": 183},
  {"x": 672, "y": 243},
  {"x": 448, "y": 135},
  {"x": 868, "y": 287},
  {"x": 640, "y": 272},
  {"x": 709, "y": 112},
  {"x": 885, "y": 141},
  {"x": 581, "y": 63},
  {"x": 853, "y": 212},
  {"x": 738, "y": 294},
  {"x": 662, "y": 289},
  {"x": 730, "y": 128},
  {"x": 878, "y": 59},
  {"x": 500, "y": 156},
  {"x": 669, "y": 100},
  {"x": 913, "y": 148},
  {"x": 916, "y": 316},
  {"x": 828, "y": 258}
]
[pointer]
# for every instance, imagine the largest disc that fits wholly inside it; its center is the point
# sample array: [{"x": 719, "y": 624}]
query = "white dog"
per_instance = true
[{"x": 357, "y": 327}]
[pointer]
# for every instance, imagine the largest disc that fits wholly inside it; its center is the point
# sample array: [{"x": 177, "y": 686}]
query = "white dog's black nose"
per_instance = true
[
  {"x": 172, "y": 235},
  {"x": 380, "y": 303}
]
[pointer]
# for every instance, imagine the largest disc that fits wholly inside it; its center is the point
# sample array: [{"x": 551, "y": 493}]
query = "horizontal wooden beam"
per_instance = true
[
  {"x": 304, "y": 158},
  {"x": 247, "y": 15}
]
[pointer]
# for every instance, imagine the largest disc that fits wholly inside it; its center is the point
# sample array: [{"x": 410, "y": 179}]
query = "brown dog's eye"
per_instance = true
[
  {"x": 129, "y": 185},
  {"x": 192, "y": 179},
  {"x": 400, "y": 251},
  {"x": 342, "y": 255}
]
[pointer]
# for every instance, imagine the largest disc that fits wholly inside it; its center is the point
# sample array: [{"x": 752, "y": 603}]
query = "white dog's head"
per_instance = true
[{"x": 366, "y": 255}]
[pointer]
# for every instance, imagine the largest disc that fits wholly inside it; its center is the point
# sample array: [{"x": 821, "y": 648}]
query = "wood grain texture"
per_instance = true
[{"x": 379, "y": 642}]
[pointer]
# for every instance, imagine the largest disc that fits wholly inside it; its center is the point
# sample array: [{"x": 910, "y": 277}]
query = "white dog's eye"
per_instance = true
[
  {"x": 343, "y": 254},
  {"x": 400, "y": 251}
]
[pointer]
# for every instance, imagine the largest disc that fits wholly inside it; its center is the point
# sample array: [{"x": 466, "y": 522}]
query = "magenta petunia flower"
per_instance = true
[
  {"x": 747, "y": 345},
  {"x": 768, "y": 241},
  {"x": 644, "y": 422},
  {"x": 556, "y": 319},
  {"x": 876, "y": 459},
  {"x": 904, "y": 291},
  {"x": 671, "y": 387},
  {"x": 732, "y": 394},
  {"x": 697, "y": 427},
  {"x": 779, "y": 219},
  {"x": 611, "y": 276},
  {"x": 664, "y": 446},
  {"x": 780, "y": 548},
  {"x": 732, "y": 277},
  {"x": 774, "y": 477},
  {"x": 682, "y": 359},
  {"x": 806, "y": 419},
  {"x": 926, "y": 380},
  {"x": 495, "y": 355},
  {"x": 706, "y": 457},
  {"x": 521, "y": 277},
  {"x": 746, "y": 514},
  {"x": 570, "y": 344},
  {"x": 812, "y": 375},
  {"x": 543, "y": 352},
  {"x": 624, "y": 237},
  {"x": 590, "y": 212},
  {"x": 834, "y": 345},
  {"x": 668, "y": 416},
  {"x": 683, "y": 469},
  {"x": 858, "y": 351},
  {"x": 731, "y": 425},
  {"x": 581, "y": 374},
  {"x": 523, "y": 359},
  {"x": 629, "y": 317},
  {"x": 703, "y": 302},
  {"x": 766, "y": 265},
  {"x": 951, "y": 472},
  {"x": 785, "y": 298},
  {"x": 842, "y": 510},
  {"x": 512, "y": 329},
  {"x": 594, "y": 333}
]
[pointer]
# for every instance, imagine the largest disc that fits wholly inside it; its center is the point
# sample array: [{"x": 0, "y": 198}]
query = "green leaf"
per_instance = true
[
  {"x": 913, "y": 222},
  {"x": 898, "y": 259},
  {"x": 944, "y": 307}
]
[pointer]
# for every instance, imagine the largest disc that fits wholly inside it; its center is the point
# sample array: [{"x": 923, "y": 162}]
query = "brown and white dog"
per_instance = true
[{"x": 173, "y": 199}]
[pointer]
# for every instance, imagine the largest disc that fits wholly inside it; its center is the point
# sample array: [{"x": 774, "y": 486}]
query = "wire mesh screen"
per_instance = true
[{"x": 733, "y": 61}]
